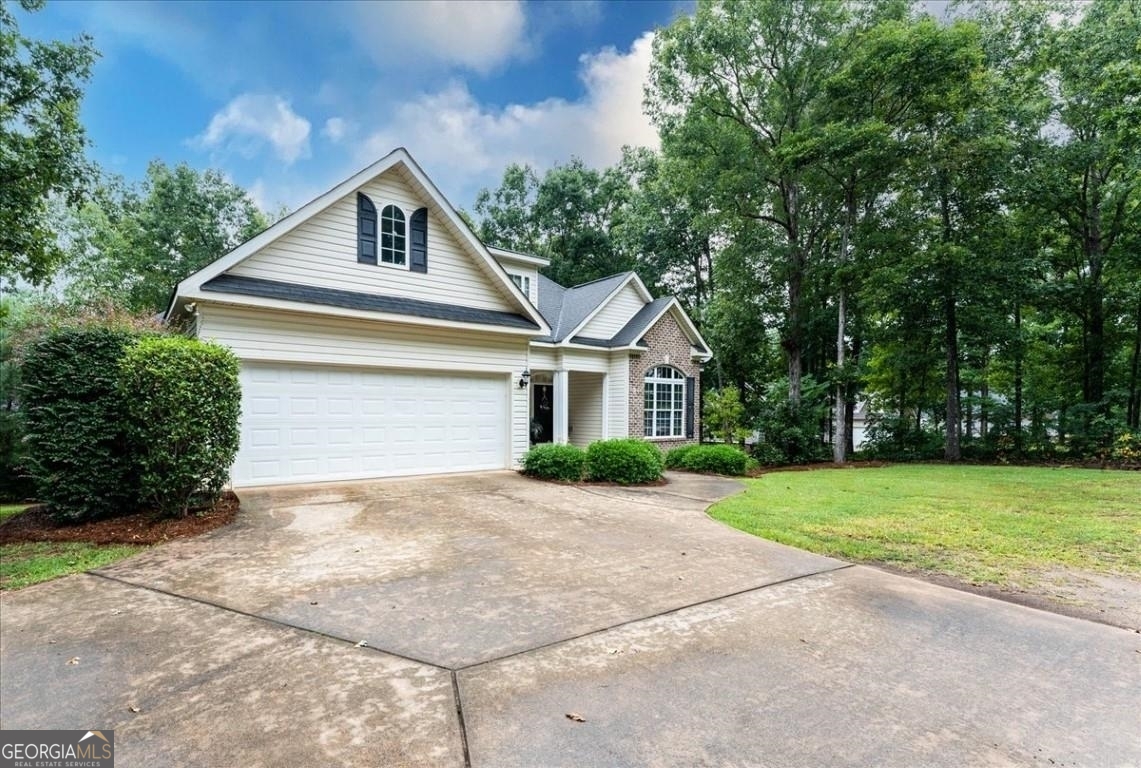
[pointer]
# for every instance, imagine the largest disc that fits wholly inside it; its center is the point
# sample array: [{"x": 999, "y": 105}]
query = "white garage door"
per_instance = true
[{"x": 309, "y": 424}]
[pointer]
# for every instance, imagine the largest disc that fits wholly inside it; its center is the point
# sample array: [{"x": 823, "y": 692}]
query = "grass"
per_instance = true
[
  {"x": 22, "y": 565},
  {"x": 11, "y": 510},
  {"x": 985, "y": 525}
]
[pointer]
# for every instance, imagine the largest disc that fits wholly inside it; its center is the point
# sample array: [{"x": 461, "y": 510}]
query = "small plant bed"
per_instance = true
[
  {"x": 34, "y": 547},
  {"x": 1061, "y": 539}
]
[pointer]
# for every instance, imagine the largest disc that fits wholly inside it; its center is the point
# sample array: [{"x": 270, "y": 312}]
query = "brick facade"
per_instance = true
[{"x": 668, "y": 345}]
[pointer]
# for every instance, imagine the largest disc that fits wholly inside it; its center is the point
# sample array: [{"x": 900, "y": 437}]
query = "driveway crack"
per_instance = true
[
  {"x": 659, "y": 614},
  {"x": 268, "y": 620},
  {"x": 460, "y": 719}
]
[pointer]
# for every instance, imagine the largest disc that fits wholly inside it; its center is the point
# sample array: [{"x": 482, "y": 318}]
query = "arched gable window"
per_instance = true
[
  {"x": 665, "y": 401},
  {"x": 393, "y": 236},
  {"x": 366, "y": 230}
]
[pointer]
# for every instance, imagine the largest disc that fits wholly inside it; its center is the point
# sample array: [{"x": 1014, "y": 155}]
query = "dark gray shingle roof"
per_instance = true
[
  {"x": 640, "y": 322},
  {"x": 564, "y": 308},
  {"x": 332, "y": 297}
]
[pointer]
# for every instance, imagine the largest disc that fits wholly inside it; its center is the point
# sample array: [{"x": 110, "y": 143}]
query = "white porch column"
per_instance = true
[
  {"x": 561, "y": 381},
  {"x": 605, "y": 406}
]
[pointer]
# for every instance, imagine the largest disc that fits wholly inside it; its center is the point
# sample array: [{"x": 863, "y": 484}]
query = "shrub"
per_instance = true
[
  {"x": 552, "y": 461},
  {"x": 78, "y": 451},
  {"x": 793, "y": 429},
  {"x": 182, "y": 400},
  {"x": 1127, "y": 448},
  {"x": 625, "y": 461},
  {"x": 724, "y": 414},
  {"x": 709, "y": 459},
  {"x": 676, "y": 457}
]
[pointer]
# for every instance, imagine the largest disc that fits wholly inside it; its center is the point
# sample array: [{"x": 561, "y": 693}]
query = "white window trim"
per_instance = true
[
  {"x": 678, "y": 381},
  {"x": 522, "y": 282},
  {"x": 380, "y": 262}
]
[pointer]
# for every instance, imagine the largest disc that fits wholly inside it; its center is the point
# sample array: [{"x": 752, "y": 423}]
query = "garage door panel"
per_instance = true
[{"x": 309, "y": 423}]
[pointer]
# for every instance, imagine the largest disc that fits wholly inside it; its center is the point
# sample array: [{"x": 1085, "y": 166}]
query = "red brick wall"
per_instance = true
[{"x": 668, "y": 345}]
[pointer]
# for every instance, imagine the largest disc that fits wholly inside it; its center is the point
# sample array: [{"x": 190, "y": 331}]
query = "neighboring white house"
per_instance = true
[{"x": 378, "y": 336}]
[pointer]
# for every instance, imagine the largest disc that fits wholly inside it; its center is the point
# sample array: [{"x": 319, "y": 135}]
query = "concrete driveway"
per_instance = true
[{"x": 458, "y": 621}]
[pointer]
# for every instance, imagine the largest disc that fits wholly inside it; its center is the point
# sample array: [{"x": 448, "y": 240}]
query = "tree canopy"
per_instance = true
[{"x": 42, "y": 143}]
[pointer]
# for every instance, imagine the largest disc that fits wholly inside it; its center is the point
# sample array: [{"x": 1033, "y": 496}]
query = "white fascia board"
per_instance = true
[
  {"x": 521, "y": 258},
  {"x": 687, "y": 325},
  {"x": 300, "y": 307},
  {"x": 461, "y": 227},
  {"x": 282, "y": 227},
  {"x": 286, "y": 225},
  {"x": 638, "y": 284}
]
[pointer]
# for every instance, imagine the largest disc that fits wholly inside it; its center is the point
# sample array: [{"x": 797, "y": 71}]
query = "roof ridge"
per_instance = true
[{"x": 599, "y": 279}]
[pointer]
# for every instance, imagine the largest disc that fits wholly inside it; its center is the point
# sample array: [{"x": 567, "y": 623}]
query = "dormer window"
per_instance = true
[
  {"x": 522, "y": 282},
  {"x": 393, "y": 236}
]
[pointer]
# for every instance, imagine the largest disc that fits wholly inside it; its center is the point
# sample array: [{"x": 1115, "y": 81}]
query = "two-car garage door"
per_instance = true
[{"x": 311, "y": 424}]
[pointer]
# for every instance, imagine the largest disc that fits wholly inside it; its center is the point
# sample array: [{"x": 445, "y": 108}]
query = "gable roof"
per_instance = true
[
  {"x": 567, "y": 310},
  {"x": 193, "y": 285}
]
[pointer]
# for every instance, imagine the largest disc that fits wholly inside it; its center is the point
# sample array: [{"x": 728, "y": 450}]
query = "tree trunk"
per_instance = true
[
  {"x": 1018, "y": 351},
  {"x": 793, "y": 343},
  {"x": 952, "y": 450},
  {"x": 1095, "y": 348},
  {"x": 840, "y": 432},
  {"x": 1133, "y": 419}
]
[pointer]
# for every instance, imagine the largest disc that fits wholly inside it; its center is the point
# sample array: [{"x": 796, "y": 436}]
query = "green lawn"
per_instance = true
[
  {"x": 8, "y": 510},
  {"x": 986, "y": 525},
  {"x": 24, "y": 564}
]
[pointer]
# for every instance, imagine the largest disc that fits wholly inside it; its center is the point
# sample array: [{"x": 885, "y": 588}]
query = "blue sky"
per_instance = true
[{"x": 290, "y": 98}]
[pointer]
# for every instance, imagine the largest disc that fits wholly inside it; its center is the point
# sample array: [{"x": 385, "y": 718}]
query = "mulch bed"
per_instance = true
[{"x": 35, "y": 524}]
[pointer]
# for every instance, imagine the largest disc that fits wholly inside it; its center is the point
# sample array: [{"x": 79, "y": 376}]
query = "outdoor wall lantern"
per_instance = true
[{"x": 524, "y": 379}]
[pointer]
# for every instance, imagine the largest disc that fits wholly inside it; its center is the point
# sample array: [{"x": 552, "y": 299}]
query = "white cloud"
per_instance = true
[
  {"x": 336, "y": 128},
  {"x": 476, "y": 35},
  {"x": 251, "y": 120},
  {"x": 464, "y": 144}
]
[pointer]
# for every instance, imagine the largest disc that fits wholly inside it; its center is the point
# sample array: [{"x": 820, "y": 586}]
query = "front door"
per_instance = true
[{"x": 542, "y": 413}]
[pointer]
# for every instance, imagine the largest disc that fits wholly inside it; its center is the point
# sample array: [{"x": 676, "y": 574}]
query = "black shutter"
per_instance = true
[
  {"x": 418, "y": 229},
  {"x": 689, "y": 398},
  {"x": 366, "y": 230}
]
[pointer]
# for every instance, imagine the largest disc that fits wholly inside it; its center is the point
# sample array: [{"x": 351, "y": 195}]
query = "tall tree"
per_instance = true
[
  {"x": 1090, "y": 164},
  {"x": 42, "y": 143},
  {"x": 135, "y": 245},
  {"x": 506, "y": 213},
  {"x": 730, "y": 87}
]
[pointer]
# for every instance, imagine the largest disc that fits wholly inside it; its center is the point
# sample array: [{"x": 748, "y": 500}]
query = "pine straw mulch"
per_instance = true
[{"x": 35, "y": 524}]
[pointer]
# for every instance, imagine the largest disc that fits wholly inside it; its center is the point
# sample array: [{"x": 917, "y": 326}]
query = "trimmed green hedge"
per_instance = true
[
  {"x": 710, "y": 459},
  {"x": 78, "y": 452},
  {"x": 182, "y": 399},
  {"x": 626, "y": 461},
  {"x": 552, "y": 461},
  {"x": 117, "y": 420}
]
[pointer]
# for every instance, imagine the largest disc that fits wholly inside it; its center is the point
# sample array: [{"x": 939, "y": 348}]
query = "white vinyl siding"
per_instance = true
[
  {"x": 520, "y": 420},
  {"x": 270, "y": 335},
  {"x": 266, "y": 335},
  {"x": 585, "y": 408},
  {"x": 586, "y": 360},
  {"x": 305, "y": 423},
  {"x": 614, "y": 315},
  {"x": 323, "y": 252},
  {"x": 618, "y": 383}
]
